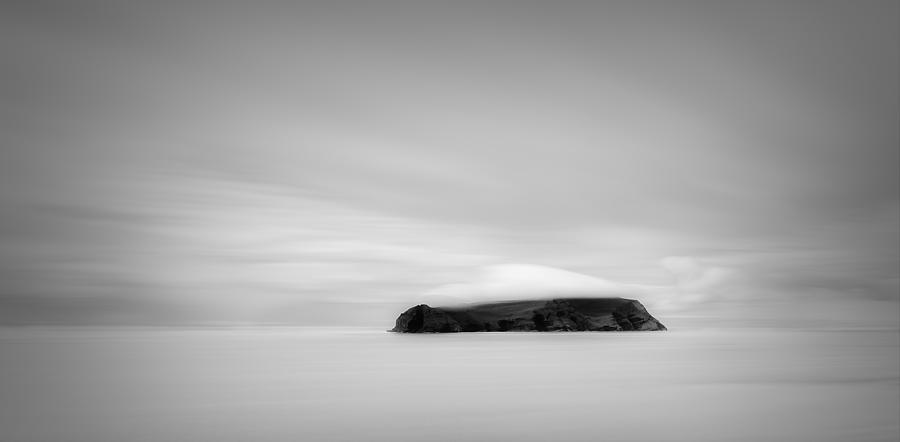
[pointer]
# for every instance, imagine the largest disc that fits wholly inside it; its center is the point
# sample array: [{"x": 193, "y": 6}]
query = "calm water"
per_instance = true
[{"x": 301, "y": 384}]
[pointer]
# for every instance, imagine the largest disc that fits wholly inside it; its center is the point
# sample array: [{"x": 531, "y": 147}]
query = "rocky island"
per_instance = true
[{"x": 570, "y": 314}]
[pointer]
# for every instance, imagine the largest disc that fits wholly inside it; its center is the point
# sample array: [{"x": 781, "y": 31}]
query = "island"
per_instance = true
[{"x": 568, "y": 314}]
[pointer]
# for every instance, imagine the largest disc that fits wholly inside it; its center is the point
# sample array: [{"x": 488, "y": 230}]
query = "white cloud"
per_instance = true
[
  {"x": 695, "y": 282},
  {"x": 526, "y": 281}
]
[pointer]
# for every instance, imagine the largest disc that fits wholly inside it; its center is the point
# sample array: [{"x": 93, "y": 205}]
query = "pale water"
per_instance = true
[{"x": 302, "y": 384}]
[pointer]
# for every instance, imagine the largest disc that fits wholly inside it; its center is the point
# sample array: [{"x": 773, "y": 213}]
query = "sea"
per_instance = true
[{"x": 297, "y": 384}]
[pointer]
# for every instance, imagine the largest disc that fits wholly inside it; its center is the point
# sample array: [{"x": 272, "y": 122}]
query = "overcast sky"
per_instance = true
[{"x": 170, "y": 162}]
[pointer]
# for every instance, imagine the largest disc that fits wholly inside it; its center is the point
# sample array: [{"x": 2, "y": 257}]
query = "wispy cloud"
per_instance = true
[{"x": 227, "y": 161}]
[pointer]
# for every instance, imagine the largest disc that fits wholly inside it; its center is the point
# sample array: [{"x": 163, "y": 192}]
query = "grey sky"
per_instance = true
[{"x": 202, "y": 161}]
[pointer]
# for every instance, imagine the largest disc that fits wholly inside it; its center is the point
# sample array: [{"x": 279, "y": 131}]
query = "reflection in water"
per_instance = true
[{"x": 302, "y": 384}]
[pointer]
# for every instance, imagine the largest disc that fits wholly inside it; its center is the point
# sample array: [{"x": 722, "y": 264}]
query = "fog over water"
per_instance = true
[{"x": 290, "y": 384}]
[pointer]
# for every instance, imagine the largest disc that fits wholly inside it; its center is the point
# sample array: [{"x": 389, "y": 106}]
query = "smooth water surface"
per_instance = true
[{"x": 303, "y": 384}]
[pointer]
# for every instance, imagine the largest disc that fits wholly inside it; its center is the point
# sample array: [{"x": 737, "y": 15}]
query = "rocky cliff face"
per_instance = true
[{"x": 575, "y": 314}]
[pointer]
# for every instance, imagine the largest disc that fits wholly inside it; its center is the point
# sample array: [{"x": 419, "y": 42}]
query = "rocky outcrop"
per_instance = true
[{"x": 572, "y": 314}]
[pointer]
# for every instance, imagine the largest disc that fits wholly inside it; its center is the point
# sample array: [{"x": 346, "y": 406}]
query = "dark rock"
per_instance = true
[
  {"x": 424, "y": 319},
  {"x": 571, "y": 314}
]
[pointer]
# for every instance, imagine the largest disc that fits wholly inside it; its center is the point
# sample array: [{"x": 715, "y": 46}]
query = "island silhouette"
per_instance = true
[{"x": 564, "y": 314}]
